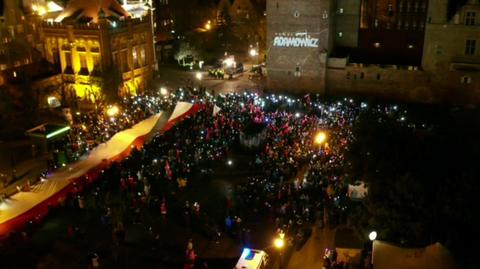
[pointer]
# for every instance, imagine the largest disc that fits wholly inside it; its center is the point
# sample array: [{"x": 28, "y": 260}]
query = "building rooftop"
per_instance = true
[{"x": 89, "y": 10}]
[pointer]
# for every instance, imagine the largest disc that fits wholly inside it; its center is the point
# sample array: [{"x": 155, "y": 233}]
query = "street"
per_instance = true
[{"x": 172, "y": 77}]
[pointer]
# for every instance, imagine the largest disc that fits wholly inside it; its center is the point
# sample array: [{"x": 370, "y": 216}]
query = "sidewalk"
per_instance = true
[{"x": 311, "y": 254}]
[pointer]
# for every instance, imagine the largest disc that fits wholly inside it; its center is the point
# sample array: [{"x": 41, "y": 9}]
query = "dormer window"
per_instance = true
[{"x": 470, "y": 17}]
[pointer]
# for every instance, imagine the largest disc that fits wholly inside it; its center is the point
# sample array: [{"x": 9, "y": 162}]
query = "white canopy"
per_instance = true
[{"x": 387, "y": 256}]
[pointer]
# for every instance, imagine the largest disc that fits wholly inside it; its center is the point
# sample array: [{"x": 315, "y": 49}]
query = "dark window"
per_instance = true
[
  {"x": 378, "y": 76},
  {"x": 390, "y": 10},
  {"x": 470, "y": 18},
  {"x": 470, "y": 47},
  {"x": 466, "y": 80}
]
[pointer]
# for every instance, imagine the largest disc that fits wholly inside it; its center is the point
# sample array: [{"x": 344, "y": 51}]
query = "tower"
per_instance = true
[
  {"x": 12, "y": 13},
  {"x": 299, "y": 41}
]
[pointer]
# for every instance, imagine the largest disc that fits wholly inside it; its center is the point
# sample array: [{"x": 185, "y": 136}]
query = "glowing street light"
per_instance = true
[
  {"x": 208, "y": 25},
  {"x": 279, "y": 243},
  {"x": 163, "y": 91},
  {"x": 320, "y": 138},
  {"x": 253, "y": 52},
  {"x": 372, "y": 236},
  {"x": 112, "y": 111},
  {"x": 198, "y": 75},
  {"x": 230, "y": 162}
]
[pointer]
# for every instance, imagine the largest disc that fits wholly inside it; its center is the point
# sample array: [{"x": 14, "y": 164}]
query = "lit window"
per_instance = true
[
  {"x": 135, "y": 58},
  {"x": 466, "y": 80},
  {"x": 410, "y": 46},
  {"x": 53, "y": 102},
  {"x": 340, "y": 34},
  {"x": 340, "y": 10},
  {"x": 376, "y": 45},
  {"x": 142, "y": 55},
  {"x": 297, "y": 71}
]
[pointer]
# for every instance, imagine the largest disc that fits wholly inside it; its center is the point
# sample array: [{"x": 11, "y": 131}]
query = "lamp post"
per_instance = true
[
  {"x": 208, "y": 25},
  {"x": 279, "y": 244},
  {"x": 199, "y": 77},
  {"x": 112, "y": 111},
  {"x": 372, "y": 236},
  {"x": 320, "y": 139},
  {"x": 253, "y": 52},
  {"x": 163, "y": 91}
]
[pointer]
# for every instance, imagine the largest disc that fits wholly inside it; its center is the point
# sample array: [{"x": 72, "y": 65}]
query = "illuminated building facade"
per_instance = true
[
  {"x": 298, "y": 42},
  {"x": 96, "y": 44},
  {"x": 421, "y": 51},
  {"x": 93, "y": 38}
]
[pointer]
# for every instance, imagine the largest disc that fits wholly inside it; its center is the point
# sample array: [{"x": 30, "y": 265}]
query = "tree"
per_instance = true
[
  {"x": 110, "y": 81},
  {"x": 184, "y": 51},
  {"x": 422, "y": 180}
]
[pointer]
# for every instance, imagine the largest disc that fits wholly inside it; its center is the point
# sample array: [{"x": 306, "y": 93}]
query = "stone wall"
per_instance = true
[{"x": 402, "y": 85}]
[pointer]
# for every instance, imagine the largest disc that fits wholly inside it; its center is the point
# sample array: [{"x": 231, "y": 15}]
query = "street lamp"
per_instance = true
[
  {"x": 163, "y": 91},
  {"x": 112, "y": 111},
  {"x": 253, "y": 52},
  {"x": 198, "y": 75},
  {"x": 372, "y": 236},
  {"x": 320, "y": 138},
  {"x": 208, "y": 25},
  {"x": 279, "y": 244}
]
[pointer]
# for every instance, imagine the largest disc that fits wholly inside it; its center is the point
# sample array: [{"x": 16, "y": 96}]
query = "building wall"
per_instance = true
[
  {"x": 400, "y": 84},
  {"x": 84, "y": 50},
  {"x": 298, "y": 68},
  {"x": 347, "y": 23},
  {"x": 445, "y": 42}
]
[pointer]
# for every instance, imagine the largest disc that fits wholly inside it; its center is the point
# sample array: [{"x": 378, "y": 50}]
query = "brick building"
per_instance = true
[
  {"x": 85, "y": 41},
  {"x": 406, "y": 50}
]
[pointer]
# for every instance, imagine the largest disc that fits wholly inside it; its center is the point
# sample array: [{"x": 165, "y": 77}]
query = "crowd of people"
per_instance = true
[{"x": 298, "y": 183}]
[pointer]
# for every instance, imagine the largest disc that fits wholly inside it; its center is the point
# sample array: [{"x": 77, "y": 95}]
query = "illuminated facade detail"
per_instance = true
[
  {"x": 298, "y": 46},
  {"x": 414, "y": 50},
  {"x": 296, "y": 40}
]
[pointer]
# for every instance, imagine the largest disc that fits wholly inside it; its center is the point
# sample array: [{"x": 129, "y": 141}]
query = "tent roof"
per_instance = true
[{"x": 388, "y": 256}]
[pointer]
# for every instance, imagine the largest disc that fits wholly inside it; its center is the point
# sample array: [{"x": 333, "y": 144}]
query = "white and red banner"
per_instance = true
[{"x": 33, "y": 205}]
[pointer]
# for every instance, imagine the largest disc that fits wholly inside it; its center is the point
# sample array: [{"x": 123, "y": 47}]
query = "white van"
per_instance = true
[{"x": 252, "y": 259}]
